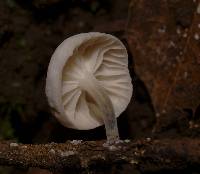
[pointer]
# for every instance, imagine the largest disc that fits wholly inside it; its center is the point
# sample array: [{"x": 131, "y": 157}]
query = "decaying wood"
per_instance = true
[{"x": 145, "y": 155}]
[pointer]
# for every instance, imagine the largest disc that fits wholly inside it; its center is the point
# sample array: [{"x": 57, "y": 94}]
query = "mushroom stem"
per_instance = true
[{"x": 92, "y": 87}]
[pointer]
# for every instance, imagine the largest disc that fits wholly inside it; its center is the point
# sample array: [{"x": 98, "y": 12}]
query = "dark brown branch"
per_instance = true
[{"x": 146, "y": 155}]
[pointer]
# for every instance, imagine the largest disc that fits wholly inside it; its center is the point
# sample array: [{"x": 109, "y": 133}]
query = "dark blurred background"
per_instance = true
[{"x": 29, "y": 33}]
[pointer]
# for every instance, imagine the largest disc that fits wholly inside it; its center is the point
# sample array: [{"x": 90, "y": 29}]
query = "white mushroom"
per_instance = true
[{"x": 88, "y": 82}]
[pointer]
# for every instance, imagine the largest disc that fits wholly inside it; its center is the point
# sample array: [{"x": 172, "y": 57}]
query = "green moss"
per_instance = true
[
  {"x": 6, "y": 111},
  {"x": 11, "y": 3},
  {"x": 6, "y": 129}
]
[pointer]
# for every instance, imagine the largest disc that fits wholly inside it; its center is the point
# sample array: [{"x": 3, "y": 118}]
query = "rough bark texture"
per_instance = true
[{"x": 74, "y": 156}]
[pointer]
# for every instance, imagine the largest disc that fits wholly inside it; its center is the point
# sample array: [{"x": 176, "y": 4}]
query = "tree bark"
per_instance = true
[{"x": 146, "y": 155}]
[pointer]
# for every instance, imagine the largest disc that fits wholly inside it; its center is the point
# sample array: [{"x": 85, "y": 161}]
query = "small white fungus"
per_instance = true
[
  {"x": 178, "y": 31},
  {"x": 198, "y": 9},
  {"x": 162, "y": 29},
  {"x": 172, "y": 44},
  {"x": 185, "y": 35},
  {"x": 124, "y": 157},
  {"x": 134, "y": 162},
  {"x": 119, "y": 141},
  {"x": 148, "y": 139},
  {"x": 67, "y": 153},
  {"x": 196, "y": 36},
  {"x": 52, "y": 151},
  {"x": 76, "y": 142},
  {"x": 127, "y": 141},
  {"x": 79, "y": 74},
  {"x": 185, "y": 74},
  {"x": 112, "y": 148},
  {"x": 105, "y": 144},
  {"x": 157, "y": 114},
  {"x": 14, "y": 145}
]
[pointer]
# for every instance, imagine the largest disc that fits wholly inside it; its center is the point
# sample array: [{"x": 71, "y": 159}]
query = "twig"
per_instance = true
[{"x": 73, "y": 156}]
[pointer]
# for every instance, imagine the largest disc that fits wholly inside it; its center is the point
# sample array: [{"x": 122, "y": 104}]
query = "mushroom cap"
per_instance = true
[{"x": 102, "y": 55}]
